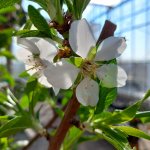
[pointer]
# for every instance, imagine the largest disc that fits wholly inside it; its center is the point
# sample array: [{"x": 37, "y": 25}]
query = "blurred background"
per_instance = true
[{"x": 133, "y": 23}]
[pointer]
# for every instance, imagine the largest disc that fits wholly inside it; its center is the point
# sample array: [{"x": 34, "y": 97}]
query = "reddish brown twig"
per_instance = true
[{"x": 65, "y": 124}]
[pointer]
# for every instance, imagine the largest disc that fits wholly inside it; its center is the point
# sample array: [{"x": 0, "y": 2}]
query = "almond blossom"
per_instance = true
[
  {"x": 37, "y": 54},
  {"x": 81, "y": 40}
]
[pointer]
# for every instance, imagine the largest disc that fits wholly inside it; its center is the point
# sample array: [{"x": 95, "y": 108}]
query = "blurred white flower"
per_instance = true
[
  {"x": 37, "y": 54},
  {"x": 81, "y": 41}
]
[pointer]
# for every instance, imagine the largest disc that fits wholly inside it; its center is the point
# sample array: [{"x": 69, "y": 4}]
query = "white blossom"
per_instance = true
[
  {"x": 81, "y": 41},
  {"x": 37, "y": 54}
]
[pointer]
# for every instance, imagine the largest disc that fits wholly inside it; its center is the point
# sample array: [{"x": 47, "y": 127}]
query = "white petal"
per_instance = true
[
  {"x": 47, "y": 48},
  {"x": 112, "y": 75},
  {"x": 43, "y": 81},
  {"x": 23, "y": 55},
  {"x": 62, "y": 75},
  {"x": 110, "y": 48},
  {"x": 28, "y": 43},
  {"x": 56, "y": 90},
  {"x": 81, "y": 38},
  {"x": 87, "y": 92},
  {"x": 30, "y": 69}
]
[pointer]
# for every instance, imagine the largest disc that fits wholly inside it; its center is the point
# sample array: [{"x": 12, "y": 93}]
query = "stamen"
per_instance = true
[
  {"x": 36, "y": 63},
  {"x": 88, "y": 68}
]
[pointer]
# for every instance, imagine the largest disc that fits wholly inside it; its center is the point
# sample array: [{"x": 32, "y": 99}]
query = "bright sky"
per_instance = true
[{"x": 106, "y": 2}]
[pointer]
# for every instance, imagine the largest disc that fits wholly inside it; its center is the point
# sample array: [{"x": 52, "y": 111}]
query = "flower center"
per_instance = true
[
  {"x": 64, "y": 53},
  {"x": 88, "y": 68},
  {"x": 36, "y": 62}
]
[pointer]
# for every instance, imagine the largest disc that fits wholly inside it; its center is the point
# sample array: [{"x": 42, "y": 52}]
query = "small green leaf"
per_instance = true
[
  {"x": 117, "y": 144},
  {"x": 92, "y": 53},
  {"x": 59, "y": 14},
  {"x": 42, "y": 3},
  {"x": 29, "y": 33},
  {"x": 125, "y": 115},
  {"x": 79, "y": 6},
  {"x": 143, "y": 116},
  {"x": 59, "y": 112},
  {"x": 14, "y": 125},
  {"x": 38, "y": 20},
  {"x": 133, "y": 132},
  {"x": 117, "y": 138},
  {"x": 28, "y": 25},
  {"x": 24, "y": 74},
  {"x": 7, "y": 54},
  {"x": 77, "y": 61},
  {"x": 51, "y": 9},
  {"x": 147, "y": 95},
  {"x": 69, "y": 5},
  {"x": 6, "y": 3},
  {"x": 106, "y": 97},
  {"x": 7, "y": 9},
  {"x": 3, "y": 97},
  {"x": 72, "y": 136}
]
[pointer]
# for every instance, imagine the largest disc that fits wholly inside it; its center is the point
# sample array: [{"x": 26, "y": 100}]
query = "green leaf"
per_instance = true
[
  {"x": 5, "y": 76},
  {"x": 69, "y": 5},
  {"x": 92, "y": 53},
  {"x": 29, "y": 91},
  {"x": 100, "y": 117},
  {"x": 117, "y": 138},
  {"x": 30, "y": 33},
  {"x": 15, "y": 125},
  {"x": 6, "y": 3},
  {"x": 123, "y": 116},
  {"x": 106, "y": 97},
  {"x": 7, "y": 9},
  {"x": 28, "y": 25},
  {"x": 3, "y": 19},
  {"x": 143, "y": 116},
  {"x": 126, "y": 114},
  {"x": 5, "y": 37},
  {"x": 24, "y": 74},
  {"x": 117, "y": 144},
  {"x": 59, "y": 15},
  {"x": 59, "y": 112},
  {"x": 42, "y": 3},
  {"x": 133, "y": 132},
  {"x": 88, "y": 138},
  {"x": 7, "y": 54},
  {"x": 114, "y": 133},
  {"x": 72, "y": 136},
  {"x": 79, "y": 6},
  {"x": 3, "y": 97},
  {"x": 77, "y": 61},
  {"x": 147, "y": 95},
  {"x": 51, "y": 9},
  {"x": 38, "y": 20}
]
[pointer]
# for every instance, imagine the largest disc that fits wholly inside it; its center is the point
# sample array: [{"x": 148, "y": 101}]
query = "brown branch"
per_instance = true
[{"x": 65, "y": 124}]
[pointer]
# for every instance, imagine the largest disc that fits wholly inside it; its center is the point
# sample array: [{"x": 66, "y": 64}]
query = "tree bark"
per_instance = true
[{"x": 65, "y": 124}]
